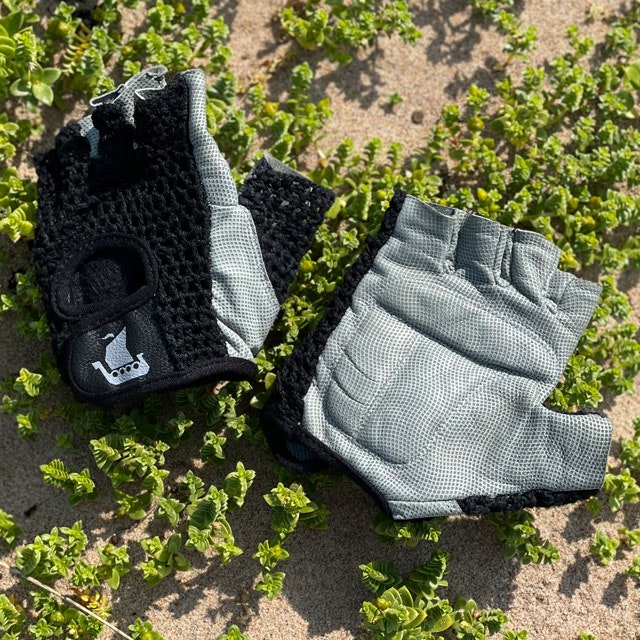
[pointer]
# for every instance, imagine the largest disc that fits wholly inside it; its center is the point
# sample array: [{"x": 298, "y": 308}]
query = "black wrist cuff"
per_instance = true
[{"x": 287, "y": 209}]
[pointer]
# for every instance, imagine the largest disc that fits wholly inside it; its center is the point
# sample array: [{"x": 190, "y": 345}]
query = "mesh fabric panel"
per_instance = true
[{"x": 124, "y": 96}]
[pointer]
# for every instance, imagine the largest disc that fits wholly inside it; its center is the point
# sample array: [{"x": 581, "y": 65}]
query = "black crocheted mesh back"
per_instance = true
[{"x": 150, "y": 189}]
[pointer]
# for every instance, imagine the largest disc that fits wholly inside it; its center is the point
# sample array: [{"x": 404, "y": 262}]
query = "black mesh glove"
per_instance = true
[{"x": 154, "y": 275}]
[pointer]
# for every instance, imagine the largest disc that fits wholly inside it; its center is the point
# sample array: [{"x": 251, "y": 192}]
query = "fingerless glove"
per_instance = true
[
  {"x": 426, "y": 379},
  {"x": 154, "y": 273}
]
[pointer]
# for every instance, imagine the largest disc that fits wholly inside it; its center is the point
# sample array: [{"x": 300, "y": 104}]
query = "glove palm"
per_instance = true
[{"x": 430, "y": 371}]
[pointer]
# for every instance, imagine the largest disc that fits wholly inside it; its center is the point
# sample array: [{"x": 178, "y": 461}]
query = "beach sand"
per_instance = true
[{"x": 322, "y": 590}]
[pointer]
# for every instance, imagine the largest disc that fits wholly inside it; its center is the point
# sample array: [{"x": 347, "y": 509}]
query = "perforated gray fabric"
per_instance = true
[
  {"x": 243, "y": 297},
  {"x": 125, "y": 95},
  {"x": 431, "y": 387}
]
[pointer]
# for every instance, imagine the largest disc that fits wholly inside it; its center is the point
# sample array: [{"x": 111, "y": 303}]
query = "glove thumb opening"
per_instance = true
[
  {"x": 110, "y": 276},
  {"x": 581, "y": 442}
]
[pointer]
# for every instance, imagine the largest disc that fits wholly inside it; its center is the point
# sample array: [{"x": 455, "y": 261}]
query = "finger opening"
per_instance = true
[
  {"x": 533, "y": 261},
  {"x": 161, "y": 120},
  {"x": 578, "y": 301},
  {"x": 70, "y": 147},
  {"x": 426, "y": 229},
  {"x": 124, "y": 96},
  {"x": 480, "y": 248}
]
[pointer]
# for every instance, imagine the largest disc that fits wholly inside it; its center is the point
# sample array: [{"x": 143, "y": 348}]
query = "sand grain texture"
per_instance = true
[{"x": 323, "y": 592}]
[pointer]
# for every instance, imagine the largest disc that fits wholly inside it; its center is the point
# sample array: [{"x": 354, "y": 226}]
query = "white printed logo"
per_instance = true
[{"x": 123, "y": 367}]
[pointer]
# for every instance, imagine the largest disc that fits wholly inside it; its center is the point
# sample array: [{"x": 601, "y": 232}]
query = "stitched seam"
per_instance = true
[{"x": 349, "y": 336}]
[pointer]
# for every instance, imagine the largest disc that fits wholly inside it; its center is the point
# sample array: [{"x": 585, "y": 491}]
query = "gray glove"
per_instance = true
[{"x": 426, "y": 378}]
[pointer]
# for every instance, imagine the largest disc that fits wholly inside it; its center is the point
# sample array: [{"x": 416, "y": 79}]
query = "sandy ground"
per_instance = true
[{"x": 322, "y": 592}]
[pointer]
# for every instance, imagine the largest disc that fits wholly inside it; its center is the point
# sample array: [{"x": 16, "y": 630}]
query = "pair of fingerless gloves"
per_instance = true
[{"x": 426, "y": 377}]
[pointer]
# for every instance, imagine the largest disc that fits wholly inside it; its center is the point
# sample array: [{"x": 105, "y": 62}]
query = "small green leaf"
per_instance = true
[
  {"x": 442, "y": 624},
  {"x": 269, "y": 379},
  {"x": 49, "y": 75},
  {"x": 114, "y": 580},
  {"x": 43, "y": 93},
  {"x": 19, "y": 88},
  {"x": 11, "y": 24},
  {"x": 7, "y": 47},
  {"x": 632, "y": 74}
]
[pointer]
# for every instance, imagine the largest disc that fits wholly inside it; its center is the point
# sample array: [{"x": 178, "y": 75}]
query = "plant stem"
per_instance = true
[{"x": 69, "y": 601}]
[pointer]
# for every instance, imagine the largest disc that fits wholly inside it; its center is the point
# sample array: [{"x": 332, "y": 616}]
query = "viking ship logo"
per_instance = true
[{"x": 122, "y": 365}]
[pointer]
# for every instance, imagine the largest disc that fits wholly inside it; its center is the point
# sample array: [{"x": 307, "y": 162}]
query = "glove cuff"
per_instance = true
[
  {"x": 287, "y": 209},
  {"x": 150, "y": 366}
]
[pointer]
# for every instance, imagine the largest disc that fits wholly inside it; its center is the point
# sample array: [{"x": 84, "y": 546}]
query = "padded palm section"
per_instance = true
[
  {"x": 107, "y": 276},
  {"x": 429, "y": 390}
]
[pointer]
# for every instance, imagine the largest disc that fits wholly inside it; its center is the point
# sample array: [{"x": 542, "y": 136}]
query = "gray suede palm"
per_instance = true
[{"x": 430, "y": 389}]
